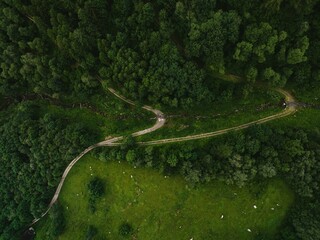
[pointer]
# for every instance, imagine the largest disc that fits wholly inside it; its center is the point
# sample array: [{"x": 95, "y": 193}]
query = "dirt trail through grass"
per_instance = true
[{"x": 290, "y": 109}]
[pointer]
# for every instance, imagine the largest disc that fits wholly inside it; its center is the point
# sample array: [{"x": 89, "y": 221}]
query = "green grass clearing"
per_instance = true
[
  {"x": 110, "y": 124},
  {"x": 310, "y": 96},
  {"x": 104, "y": 114},
  {"x": 118, "y": 116},
  {"x": 165, "y": 208},
  {"x": 304, "y": 118},
  {"x": 217, "y": 116}
]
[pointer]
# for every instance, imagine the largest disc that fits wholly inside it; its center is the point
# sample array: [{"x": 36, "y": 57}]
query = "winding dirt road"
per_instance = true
[
  {"x": 160, "y": 116},
  {"x": 290, "y": 109},
  {"x": 159, "y": 123}
]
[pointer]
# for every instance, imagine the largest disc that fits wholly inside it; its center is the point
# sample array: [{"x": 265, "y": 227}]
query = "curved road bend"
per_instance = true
[
  {"x": 159, "y": 123},
  {"x": 160, "y": 116},
  {"x": 290, "y": 109}
]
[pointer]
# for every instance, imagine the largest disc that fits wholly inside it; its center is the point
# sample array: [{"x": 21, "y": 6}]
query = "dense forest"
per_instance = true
[
  {"x": 34, "y": 150},
  {"x": 163, "y": 52},
  {"x": 160, "y": 51}
]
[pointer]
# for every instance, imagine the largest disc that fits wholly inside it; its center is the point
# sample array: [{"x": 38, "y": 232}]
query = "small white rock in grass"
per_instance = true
[
  {"x": 180, "y": 227},
  {"x": 278, "y": 205},
  {"x": 135, "y": 167},
  {"x": 272, "y": 209},
  {"x": 222, "y": 216},
  {"x": 123, "y": 172},
  {"x": 91, "y": 174},
  {"x": 249, "y": 230},
  {"x": 255, "y": 206},
  {"x": 119, "y": 162},
  {"x": 131, "y": 176}
]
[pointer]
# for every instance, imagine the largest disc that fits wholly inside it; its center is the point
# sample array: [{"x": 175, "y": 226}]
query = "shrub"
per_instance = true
[
  {"x": 91, "y": 232},
  {"x": 96, "y": 188},
  {"x": 125, "y": 229}
]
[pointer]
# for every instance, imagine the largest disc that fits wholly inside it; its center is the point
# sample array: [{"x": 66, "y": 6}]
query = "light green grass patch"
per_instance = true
[
  {"x": 304, "y": 118},
  {"x": 311, "y": 95},
  {"x": 118, "y": 116},
  {"x": 216, "y": 116},
  {"x": 165, "y": 208}
]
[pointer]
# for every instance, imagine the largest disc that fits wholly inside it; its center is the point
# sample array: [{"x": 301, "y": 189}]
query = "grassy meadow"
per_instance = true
[
  {"x": 217, "y": 116},
  {"x": 304, "y": 118},
  {"x": 164, "y": 207}
]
